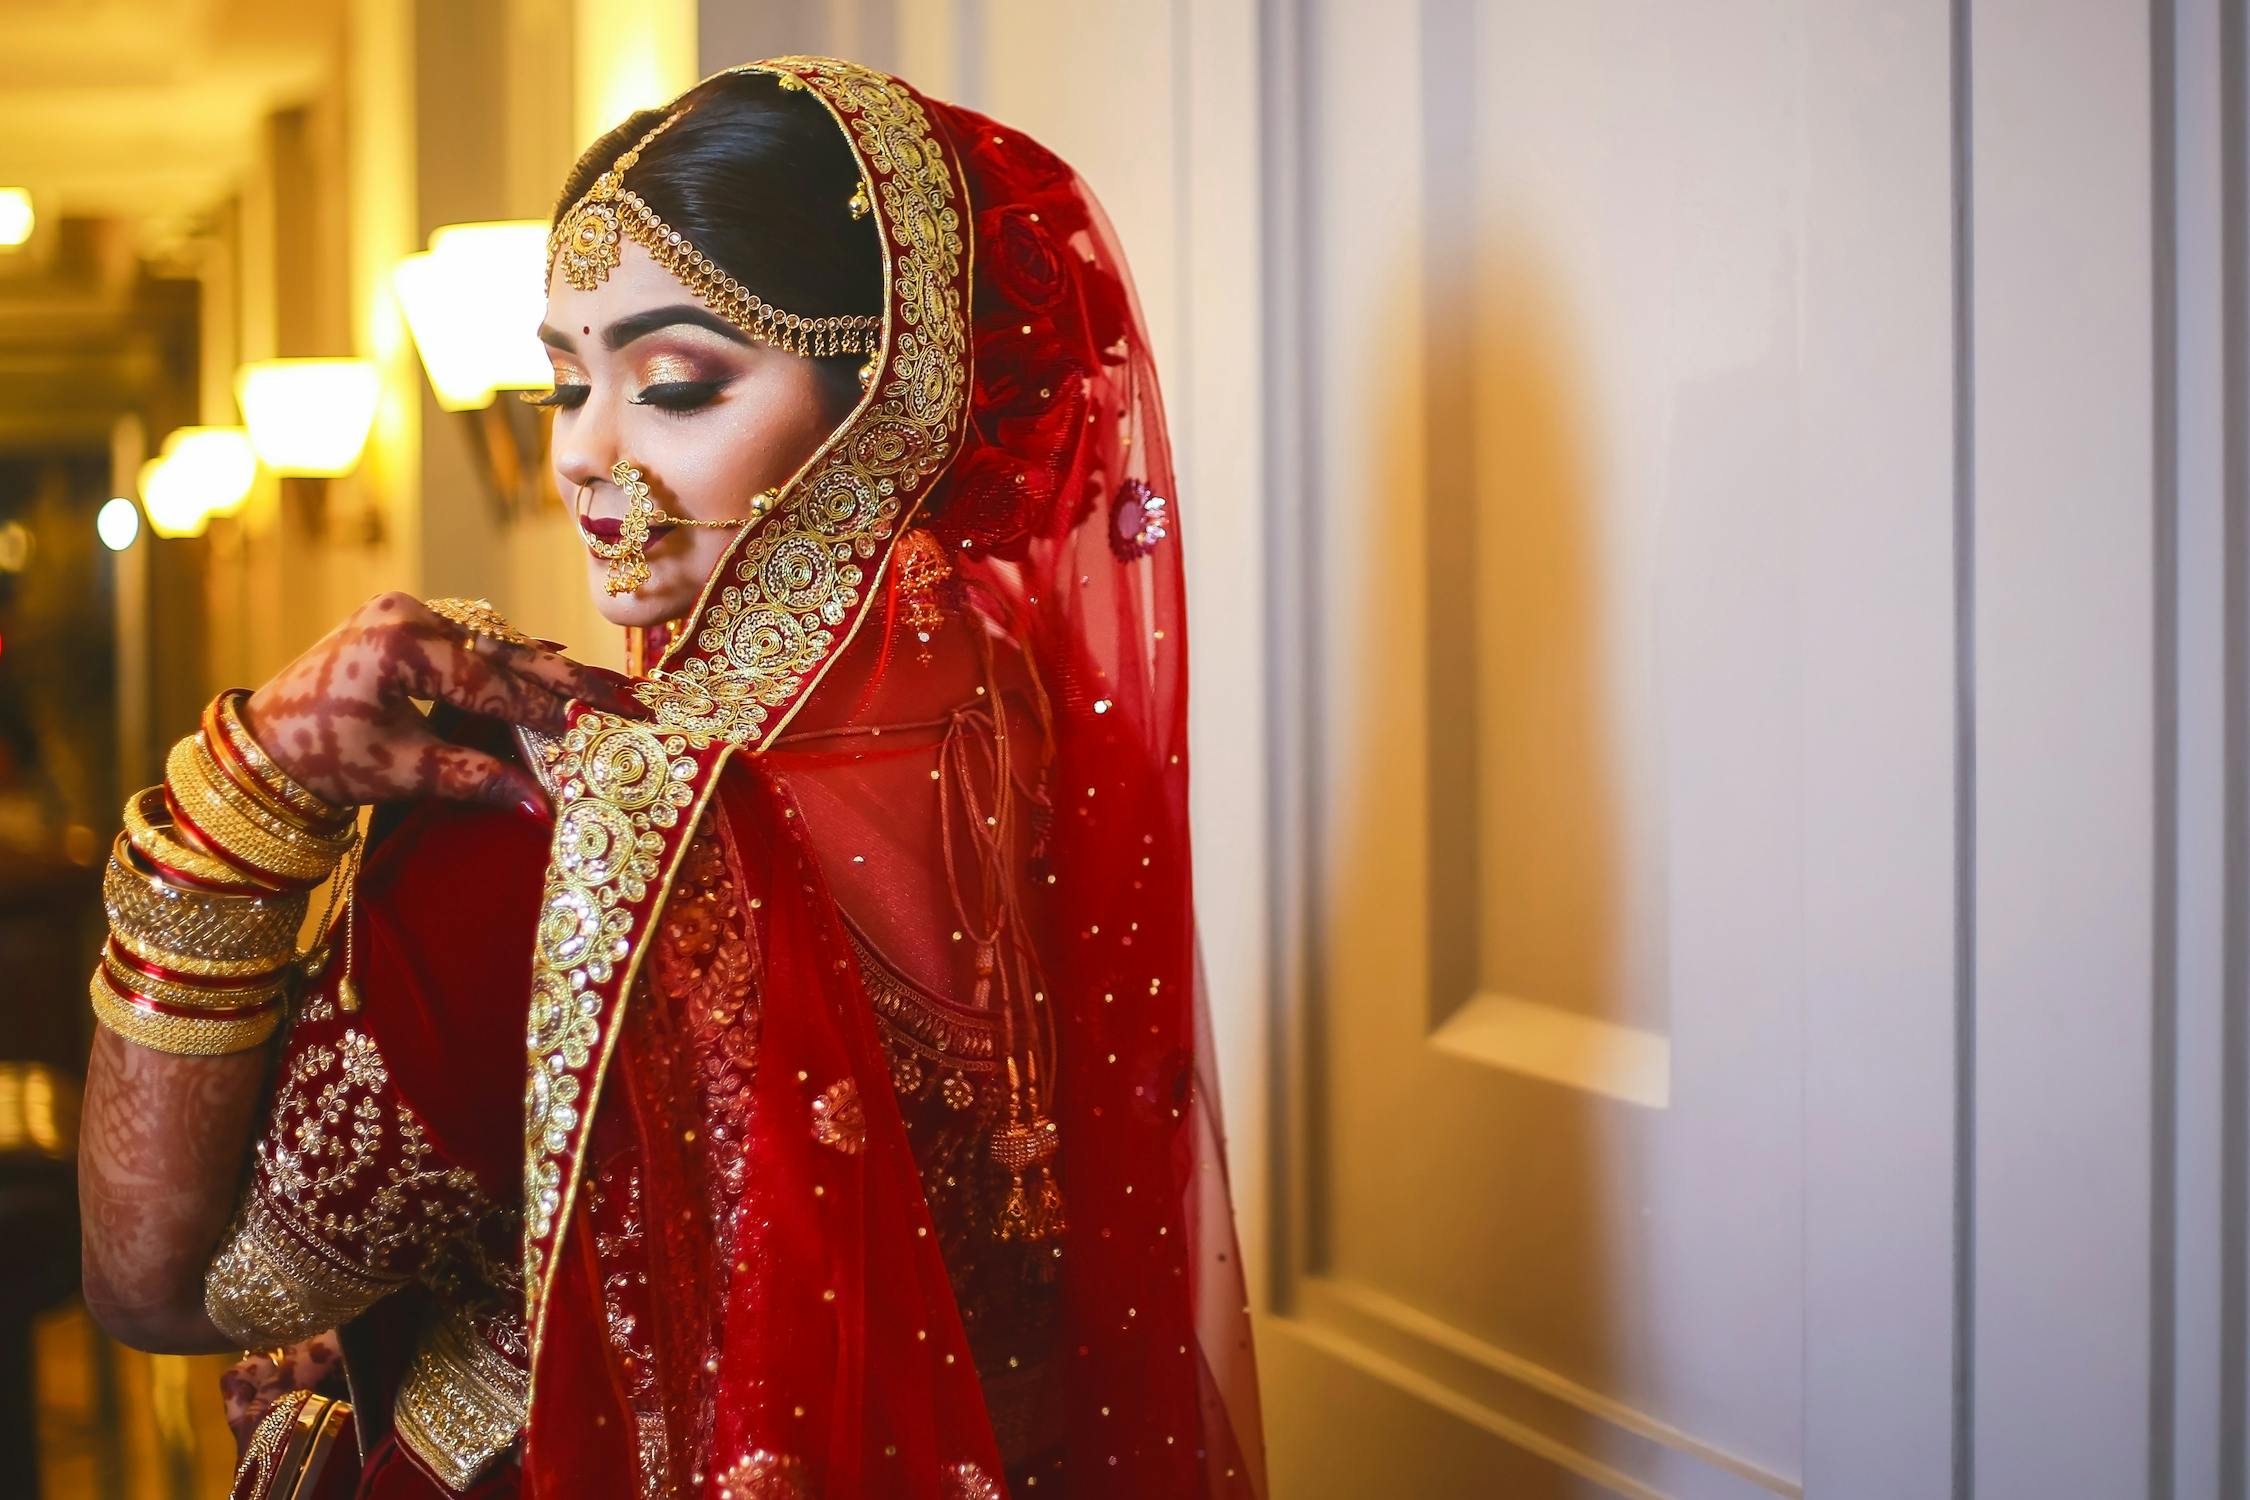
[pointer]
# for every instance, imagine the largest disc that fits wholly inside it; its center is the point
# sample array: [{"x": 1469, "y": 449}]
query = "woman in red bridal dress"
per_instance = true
[{"x": 866, "y": 1142}]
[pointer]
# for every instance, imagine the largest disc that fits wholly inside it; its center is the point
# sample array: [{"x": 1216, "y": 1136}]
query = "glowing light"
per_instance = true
[
  {"x": 118, "y": 524},
  {"x": 308, "y": 416},
  {"x": 16, "y": 217},
  {"x": 200, "y": 473},
  {"x": 473, "y": 301},
  {"x": 15, "y": 546},
  {"x": 630, "y": 54}
]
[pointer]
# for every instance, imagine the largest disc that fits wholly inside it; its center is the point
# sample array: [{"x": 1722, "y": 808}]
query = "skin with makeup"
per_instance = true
[{"x": 641, "y": 372}]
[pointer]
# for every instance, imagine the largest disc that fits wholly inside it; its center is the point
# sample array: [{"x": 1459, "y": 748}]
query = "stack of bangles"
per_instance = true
[{"x": 206, "y": 890}]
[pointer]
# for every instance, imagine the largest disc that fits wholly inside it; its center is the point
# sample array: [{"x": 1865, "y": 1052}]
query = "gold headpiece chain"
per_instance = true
[{"x": 586, "y": 243}]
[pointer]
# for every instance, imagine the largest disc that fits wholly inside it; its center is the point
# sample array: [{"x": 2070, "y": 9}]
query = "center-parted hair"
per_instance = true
[{"x": 760, "y": 179}]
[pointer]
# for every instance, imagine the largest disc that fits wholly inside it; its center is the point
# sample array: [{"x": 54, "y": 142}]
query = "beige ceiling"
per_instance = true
[
  {"x": 130, "y": 121},
  {"x": 149, "y": 108}
]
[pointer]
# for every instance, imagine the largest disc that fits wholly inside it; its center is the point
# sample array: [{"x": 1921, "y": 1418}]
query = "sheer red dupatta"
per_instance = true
[
  {"x": 1085, "y": 568},
  {"x": 801, "y": 1335}
]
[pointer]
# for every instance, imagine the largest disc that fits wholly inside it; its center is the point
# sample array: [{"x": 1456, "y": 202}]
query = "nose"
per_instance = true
[{"x": 585, "y": 447}]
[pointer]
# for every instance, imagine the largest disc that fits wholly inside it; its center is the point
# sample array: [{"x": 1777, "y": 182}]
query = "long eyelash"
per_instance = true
[
  {"x": 561, "y": 395},
  {"x": 679, "y": 395}
]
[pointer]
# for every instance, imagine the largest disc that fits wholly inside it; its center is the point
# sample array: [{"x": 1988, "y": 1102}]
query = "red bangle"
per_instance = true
[
  {"x": 226, "y": 856},
  {"x": 261, "y": 980},
  {"x": 174, "y": 875},
  {"x": 152, "y": 1006},
  {"x": 221, "y": 748}
]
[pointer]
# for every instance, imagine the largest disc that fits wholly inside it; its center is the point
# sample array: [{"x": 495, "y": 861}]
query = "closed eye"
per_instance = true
[
  {"x": 680, "y": 395},
  {"x": 566, "y": 396}
]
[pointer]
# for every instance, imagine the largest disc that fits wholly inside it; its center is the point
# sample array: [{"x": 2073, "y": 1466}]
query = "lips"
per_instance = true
[{"x": 610, "y": 528}]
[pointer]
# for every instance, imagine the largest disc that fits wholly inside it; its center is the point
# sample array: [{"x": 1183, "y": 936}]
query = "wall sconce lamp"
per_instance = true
[
  {"x": 308, "y": 417},
  {"x": 16, "y": 217},
  {"x": 473, "y": 301},
  {"x": 200, "y": 472}
]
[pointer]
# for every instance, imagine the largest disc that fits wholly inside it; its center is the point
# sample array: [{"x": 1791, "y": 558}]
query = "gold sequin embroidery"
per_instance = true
[
  {"x": 343, "y": 1162},
  {"x": 789, "y": 585},
  {"x": 461, "y": 1402},
  {"x": 621, "y": 784},
  {"x": 838, "y": 1120}
]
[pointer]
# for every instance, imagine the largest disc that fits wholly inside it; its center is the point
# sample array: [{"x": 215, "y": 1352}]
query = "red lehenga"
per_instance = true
[{"x": 869, "y": 1144}]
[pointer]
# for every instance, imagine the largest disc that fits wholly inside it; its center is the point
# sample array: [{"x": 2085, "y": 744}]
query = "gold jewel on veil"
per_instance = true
[
  {"x": 628, "y": 555},
  {"x": 587, "y": 243}
]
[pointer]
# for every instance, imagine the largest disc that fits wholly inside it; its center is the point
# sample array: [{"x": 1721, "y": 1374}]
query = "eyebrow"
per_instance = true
[{"x": 641, "y": 324}]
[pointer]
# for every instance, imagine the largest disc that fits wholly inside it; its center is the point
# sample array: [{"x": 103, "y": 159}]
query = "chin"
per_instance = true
[
  {"x": 640, "y": 609},
  {"x": 657, "y": 601}
]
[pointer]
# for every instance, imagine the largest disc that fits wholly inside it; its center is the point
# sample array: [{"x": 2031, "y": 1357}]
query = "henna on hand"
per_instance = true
[{"x": 340, "y": 718}]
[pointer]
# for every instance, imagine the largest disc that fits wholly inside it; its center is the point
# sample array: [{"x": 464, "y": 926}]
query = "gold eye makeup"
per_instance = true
[
  {"x": 675, "y": 382},
  {"x": 673, "y": 369}
]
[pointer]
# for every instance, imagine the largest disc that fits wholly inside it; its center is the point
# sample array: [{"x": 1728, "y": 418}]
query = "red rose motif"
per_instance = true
[
  {"x": 1010, "y": 487},
  {"x": 1026, "y": 268},
  {"x": 1011, "y": 385},
  {"x": 1109, "y": 312}
]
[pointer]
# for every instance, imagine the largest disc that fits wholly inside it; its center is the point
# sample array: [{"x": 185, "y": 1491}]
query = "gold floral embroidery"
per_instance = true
[
  {"x": 268, "y": 1286},
  {"x": 461, "y": 1402},
  {"x": 267, "y": 1440},
  {"x": 781, "y": 603},
  {"x": 762, "y": 1474},
  {"x": 346, "y": 1198},
  {"x": 291, "y": 1445},
  {"x": 839, "y": 1122},
  {"x": 613, "y": 1206},
  {"x": 705, "y": 960},
  {"x": 621, "y": 784},
  {"x": 790, "y": 584},
  {"x": 966, "y": 1481},
  {"x": 655, "y": 1454}
]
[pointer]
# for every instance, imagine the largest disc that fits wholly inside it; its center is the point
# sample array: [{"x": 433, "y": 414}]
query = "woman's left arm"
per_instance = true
[
  {"x": 160, "y": 1161},
  {"x": 167, "y": 1136}
]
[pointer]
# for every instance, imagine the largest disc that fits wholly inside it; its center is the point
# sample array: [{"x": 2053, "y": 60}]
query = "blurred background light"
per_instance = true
[
  {"x": 15, "y": 546},
  {"x": 201, "y": 472},
  {"x": 16, "y": 217},
  {"x": 474, "y": 300},
  {"x": 118, "y": 524},
  {"x": 173, "y": 510},
  {"x": 308, "y": 416}
]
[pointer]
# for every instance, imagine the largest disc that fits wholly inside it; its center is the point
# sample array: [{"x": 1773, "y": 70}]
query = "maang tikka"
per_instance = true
[
  {"x": 587, "y": 243},
  {"x": 628, "y": 555}
]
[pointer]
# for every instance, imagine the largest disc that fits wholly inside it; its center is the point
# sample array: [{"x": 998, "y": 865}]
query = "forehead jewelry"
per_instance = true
[{"x": 587, "y": 244}]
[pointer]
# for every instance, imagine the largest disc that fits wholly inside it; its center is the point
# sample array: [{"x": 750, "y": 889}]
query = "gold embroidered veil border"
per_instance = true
[{"x": 783, "y": 602}]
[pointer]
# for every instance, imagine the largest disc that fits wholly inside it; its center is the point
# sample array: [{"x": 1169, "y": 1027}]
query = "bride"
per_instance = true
[{"x": 866, "y": 1142}]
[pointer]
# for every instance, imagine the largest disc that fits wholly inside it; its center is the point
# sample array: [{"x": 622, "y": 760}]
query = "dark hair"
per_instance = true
[{"x": 759, "y": 179}]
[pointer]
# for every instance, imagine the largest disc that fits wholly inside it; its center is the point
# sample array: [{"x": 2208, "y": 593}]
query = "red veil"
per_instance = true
[{"x": 872, "y": 1140}]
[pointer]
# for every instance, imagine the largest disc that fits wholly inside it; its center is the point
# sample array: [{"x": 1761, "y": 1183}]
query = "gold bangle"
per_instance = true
[
  {"x": 224, "y": 818},
  {"x": 223, "y": 791},
  {"x": 299, "y": 798},
  {"x": 251, "y": 967},
  {"x": 191, "y": 996},
  {"x": 195, "y": 925},
  {"x": 182, "y": 1036},
  {"x": 148, "y": 828},
  {"x": 238, "y": 778}
]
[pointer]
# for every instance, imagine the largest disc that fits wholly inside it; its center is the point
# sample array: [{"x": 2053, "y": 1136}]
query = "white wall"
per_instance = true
[{"x": 1849, "y": 832}]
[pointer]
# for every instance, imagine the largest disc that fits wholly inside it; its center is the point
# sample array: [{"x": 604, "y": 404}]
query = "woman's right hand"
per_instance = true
[{"x": 341, "y": 721}]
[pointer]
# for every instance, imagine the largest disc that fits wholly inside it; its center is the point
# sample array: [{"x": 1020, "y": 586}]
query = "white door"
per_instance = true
[
  {"x": 1751, "y": 603},
  {"x": 1721, "y": 776}
]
